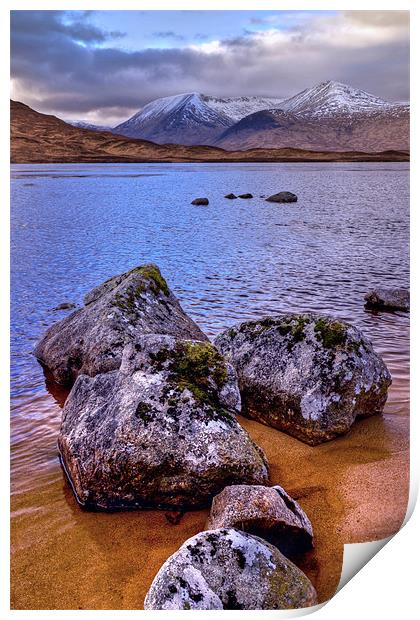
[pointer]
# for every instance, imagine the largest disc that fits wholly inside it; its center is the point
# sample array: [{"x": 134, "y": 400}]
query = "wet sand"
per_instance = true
[{"x": 354, "y": 489}]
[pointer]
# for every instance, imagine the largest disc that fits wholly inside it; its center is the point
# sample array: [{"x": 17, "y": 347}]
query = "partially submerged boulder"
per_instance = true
[
  {"x": 200, "y": 201},
  {"x": 229, "y": 569},
  {"x": 159, "y": 432},
  {"x": 91, "y": 340},
  {"x": 245, "y": 196},
  {"x": 268, "y": 512},
  {"x": 306, "y": 374},
  {"x": 64, "y": 306},
  {"x": 282, "y": 197},
  {"x": 388, "y": 299},
  {"x": 231, "y": 196}
]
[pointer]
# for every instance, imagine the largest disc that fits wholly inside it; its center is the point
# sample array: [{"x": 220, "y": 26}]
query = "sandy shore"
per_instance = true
[{"x": 354, "y": 489}]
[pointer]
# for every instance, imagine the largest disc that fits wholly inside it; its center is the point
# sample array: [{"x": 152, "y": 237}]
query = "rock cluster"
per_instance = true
[
  {"x": 308, "y": 375},
  {"x": 229, "y": 569}
]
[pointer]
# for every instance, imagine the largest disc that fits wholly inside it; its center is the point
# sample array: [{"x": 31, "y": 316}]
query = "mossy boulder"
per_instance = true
[
  {"x": 268, "y": 512},
  {"x": 159, "y": 432},
  {"x": 229, "y": 569},
  {"x": 91, "y": 340},
  {"x": 306, "y": 374}
]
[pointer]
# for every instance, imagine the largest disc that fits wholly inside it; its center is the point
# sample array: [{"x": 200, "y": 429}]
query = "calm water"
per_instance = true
[{"x": 76, "y": 225}]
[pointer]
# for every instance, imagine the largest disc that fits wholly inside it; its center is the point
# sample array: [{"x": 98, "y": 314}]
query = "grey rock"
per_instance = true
[
  {"x": 268, "y": 512},
  {"x": 229, "y": 569},
  {"x": 64, "y": 306},
  {"x": 245, "y": 196},
  {"x": 282, "y": 197},
  {"x": 159, "y": 432},
  {"x": 200, "y": 201},
  {"x": 306, "y": 374},
  {"x": 388, "y": 299},
  {"x": 91, "y": 339},
  {"x": 230, "y": 196}
]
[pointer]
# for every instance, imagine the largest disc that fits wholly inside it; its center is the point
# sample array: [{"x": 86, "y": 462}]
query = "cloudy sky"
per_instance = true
[{"x": 103, "y": 66}]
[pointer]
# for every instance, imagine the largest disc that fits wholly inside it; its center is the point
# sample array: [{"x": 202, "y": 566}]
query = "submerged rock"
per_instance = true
[
  {"x": 200, "y": 201},
  {"x": 282, "y": 197},
  {"x": 245, "y": 196},
  {"x": 308, "y": 375},
  {"x": 230, "y": 196},
  {"x": 159, "y": 432},
  {"x": 388, "y": 299},
  {"x": 91, "y": 340},
  {"x": 268, "y": 512},
  {"x": 64, "y": 306},
  {"x": 229, "y": 569}
]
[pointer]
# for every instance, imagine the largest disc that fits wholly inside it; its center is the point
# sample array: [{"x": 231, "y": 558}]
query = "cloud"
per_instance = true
[{"x": 63, "y": 64}]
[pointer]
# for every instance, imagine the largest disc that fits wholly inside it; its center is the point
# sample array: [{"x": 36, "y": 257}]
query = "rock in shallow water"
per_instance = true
[
  {"x": 231, "y": 196},
  {"x": 282, "y": 197},
  {"x": 229, "y": 569},
  {"x": 245, "y": 196},
  {"x": 91, "y": 340},
  {"x": 388, "y": 299},
  {"x": 305, "y": 374},
  {"x": 268, "y": 512},
  {"x": 200, "y": 201},
  {"x": 161, "y": 431}
]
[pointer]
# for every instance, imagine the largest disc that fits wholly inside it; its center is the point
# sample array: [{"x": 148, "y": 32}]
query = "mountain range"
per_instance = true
[
  {"x": 330, "y": 116},
  {"x": 43, "y": 138}
]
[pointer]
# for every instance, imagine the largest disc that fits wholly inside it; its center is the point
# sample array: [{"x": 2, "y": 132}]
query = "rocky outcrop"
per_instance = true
[
  {"x": 268, "y": 512},
  {"x": 231, "y": 196},
  {"x": 229, "y": 569},
  {"x": 200, "y": 201},
  {"x": 308, "y": 375},
  {"x": 160, "y": 431},
  {"x": 91, "y": 340},
  {"x": 282, "y": 197},
  {"x": 245, "y": 196},
  {"x": 388, "y": 299}
]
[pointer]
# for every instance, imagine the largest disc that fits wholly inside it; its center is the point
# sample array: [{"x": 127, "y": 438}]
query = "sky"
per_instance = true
[{"x": 103, "y": 66}]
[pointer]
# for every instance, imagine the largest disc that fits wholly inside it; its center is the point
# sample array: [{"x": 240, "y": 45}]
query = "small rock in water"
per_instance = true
[
  {"x": 245, "y": 196},
  {"x": 229, "y": 569},
  {"x": 91, "y": 339},
  {"x": 200, "y": 201},
  {"x": 230, "y": 196},
  {"x": 64, "y": 306},
  {"x": 306, "y": 374},
  {"x": 159, "y": 432},
  {"x": 388, "y": 299},
  {"x": 268, "y": 512},
  {"x": 282, "y": 197}
]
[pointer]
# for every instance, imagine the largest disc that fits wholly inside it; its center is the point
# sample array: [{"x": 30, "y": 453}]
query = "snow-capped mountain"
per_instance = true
[
  {"x": 182, "y": 119},
  {"x": 330, "y": 99},
  {"x": 330, "y": 115},
  {"x": 190, "y": 118},
  {"x": 86, "y": 125}
]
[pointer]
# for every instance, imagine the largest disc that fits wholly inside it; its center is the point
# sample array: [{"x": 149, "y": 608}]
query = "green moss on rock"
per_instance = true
[{"x": 331, "y": 333}]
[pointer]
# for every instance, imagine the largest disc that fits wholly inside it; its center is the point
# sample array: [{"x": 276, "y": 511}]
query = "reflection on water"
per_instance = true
[{"x": 74, "y": 226}]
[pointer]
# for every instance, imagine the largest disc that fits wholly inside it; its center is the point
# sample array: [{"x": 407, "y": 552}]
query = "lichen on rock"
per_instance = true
[
  {"x": 228, "y": 569},
  {"x": 307, "y": 374},
  {"x": 91, "y": 340},
  {"x": 157, "y": 432}
]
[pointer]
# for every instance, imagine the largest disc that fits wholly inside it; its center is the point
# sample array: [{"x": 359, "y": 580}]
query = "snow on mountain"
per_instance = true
[
  {"x": 91, "y": 126},
  {"x": 238, "y": 107},
  {"x": 334, "y": 99}
]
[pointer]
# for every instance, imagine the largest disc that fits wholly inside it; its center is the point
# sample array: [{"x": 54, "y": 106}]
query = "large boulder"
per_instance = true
[
  {"x": 282, "y": 197},
  {"x": 268, "y": 512},
  {"x": 388, "y": 299},
  {"x": 200, "y": 201},
  {"x": 91, "y": 340},
  {"x": 159, "y": 432},
  {"x": 229, "y": 569},
  {"x": 308, "y": 375}
]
